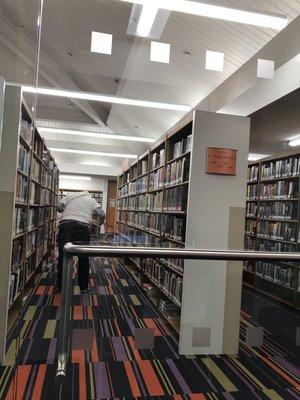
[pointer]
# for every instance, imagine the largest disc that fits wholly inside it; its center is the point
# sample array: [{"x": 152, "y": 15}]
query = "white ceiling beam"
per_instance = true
[{"x": 23, "y": 48}]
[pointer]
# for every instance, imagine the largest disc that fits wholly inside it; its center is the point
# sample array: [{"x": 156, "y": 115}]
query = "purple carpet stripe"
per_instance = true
[
  {"x": 285, "y": 364},
  {"x": 119, "y": 349},
  {"x": 30, "y": 382},
  {"x": 40, "y": 300},
  {"x": 101, "y": 381},
  {"x": 228, "y": 396},
  {"x": 28, "y": 351},
  {"x": 52, "y": 351},
  {"x": 184, "y": 386},
  {"x": 205, "y": 376},
  {"x": 293, "y": 394}
]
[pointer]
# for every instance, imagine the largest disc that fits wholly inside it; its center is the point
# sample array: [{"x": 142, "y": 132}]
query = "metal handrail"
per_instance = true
[{"x": 71, "y": 250}]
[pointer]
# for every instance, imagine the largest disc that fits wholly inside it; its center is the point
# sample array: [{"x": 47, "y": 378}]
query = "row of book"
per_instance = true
[
  {"x": 251, "y": 227},
  {"x": 45, "y": 196},
  {"x": 178, "y": 171},
  {"x": 275, "y": 273},
  {"x": 20, "y": 220},
  {"x": 170, "y": 310},
  {"x": 277, "y": 230},
  {"x": 36, "y": 168},
  {"x": 46, "y": 178},
  {"x": 158, "y": 159},
  {"x": 252, "y": 192},
  {"x": 137, "y": 237},
  {"x": 182, "y": 146},
  {"x": 251, "y": 209},
  {"x": 253, "y": 244},
  {"x": 281, "y": 168},
  {"x": 22, "y": 189},
  {"x": 279, "y": 190},
  {"x": 175, "y": 263},
  {"x": 24, "y": 160},
  {"x": 172, "y": 227},
  {"x": 285, "y": 210},
  {"x": 15, "y": 285},
  {"x": 253, "y": 173},
  {"x": 175, "y": 199},
  {"x": 169, "y": 281},
  {"x": 156, "y": 179}
]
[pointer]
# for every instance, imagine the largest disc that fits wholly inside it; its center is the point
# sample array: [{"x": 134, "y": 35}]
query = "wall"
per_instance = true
[{"x": 95, "y": 184}]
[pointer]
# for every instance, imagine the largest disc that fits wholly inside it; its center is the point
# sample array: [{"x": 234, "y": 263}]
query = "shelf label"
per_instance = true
[{"x": 220, "y": 161}]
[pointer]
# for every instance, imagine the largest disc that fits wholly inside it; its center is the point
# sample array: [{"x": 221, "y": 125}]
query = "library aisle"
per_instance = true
[{"x": 106, "y": 364}]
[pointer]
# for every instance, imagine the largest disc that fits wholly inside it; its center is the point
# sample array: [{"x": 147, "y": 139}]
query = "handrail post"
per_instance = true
[{"x": 64, "y": 325}]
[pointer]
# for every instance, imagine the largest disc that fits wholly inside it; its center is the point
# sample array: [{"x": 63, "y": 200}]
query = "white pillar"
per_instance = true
[{"x": 2, "y": 88}]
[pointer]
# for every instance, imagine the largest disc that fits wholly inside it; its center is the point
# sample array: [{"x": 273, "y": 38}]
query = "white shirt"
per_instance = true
[{"x": 79, "y": 207}]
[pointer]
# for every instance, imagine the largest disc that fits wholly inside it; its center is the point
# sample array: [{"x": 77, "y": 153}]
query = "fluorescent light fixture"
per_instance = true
[
  {"x": 101, "y": 43},
  {"x": 295, "y": 142},
  {"x": 95, "y": 164},
  {"x": 251, "y": 17},
  {"x": 160, "y": 52},
  {"x": 104, "y": 98},
  {"x": 76, "y": 177},
  {"x": 147, "y": 17},
  {"x": 256, "y": 157},
  {"x": 214, "y": 61},
  {"x": 265, "y": 69},
  {"x": 92, "y": 153},
  {"x": 96, "y": 135}
]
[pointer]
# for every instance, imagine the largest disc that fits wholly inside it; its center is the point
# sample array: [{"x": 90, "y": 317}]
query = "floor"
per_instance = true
[{"x": 106, "y": 364}]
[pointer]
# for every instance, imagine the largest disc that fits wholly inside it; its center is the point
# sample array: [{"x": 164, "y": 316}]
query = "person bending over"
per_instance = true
[{"x": 74, "y": 226}]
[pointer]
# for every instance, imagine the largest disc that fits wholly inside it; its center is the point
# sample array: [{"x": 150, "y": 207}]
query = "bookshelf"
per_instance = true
[
  {"x": 29, "y": 189},
  {"x": 97, "y": 195},
  {"x": 161, "y": 202},
  {"x": 272, "y": 224}
]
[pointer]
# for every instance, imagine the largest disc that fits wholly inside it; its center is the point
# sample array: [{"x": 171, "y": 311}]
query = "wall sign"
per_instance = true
[{"x": 220, "y": 161}]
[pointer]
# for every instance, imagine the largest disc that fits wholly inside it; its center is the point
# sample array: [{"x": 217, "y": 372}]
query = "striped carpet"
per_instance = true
[{"x": 106, "y": 364}]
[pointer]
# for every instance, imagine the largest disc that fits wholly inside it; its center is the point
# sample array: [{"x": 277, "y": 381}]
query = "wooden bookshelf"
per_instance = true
[
  {"x": 157, "y": 200},
  {"x": 97, "y": 195},
  {"x": 272, "y": 224},
  {"x": 29, "y": 190}
]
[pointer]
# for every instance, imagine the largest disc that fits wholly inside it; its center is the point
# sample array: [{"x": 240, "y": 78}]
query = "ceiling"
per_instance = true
[{"x": 66, "y": 62}]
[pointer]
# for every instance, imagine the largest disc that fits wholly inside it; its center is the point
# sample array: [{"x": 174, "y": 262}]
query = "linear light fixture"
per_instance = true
[
  {"x": 256, "y": 157},
  {"x": 92, "y": 153},
  {"x": 94, "y": 164},
  {"x": 147, "y": 17},
  {"x": 96, "y": 135},
  {"x": 76, "y": 177},
  {"x": 251, "y": 17},
  {"x": 295, "y": 142},
  {"x": 104, "y": 98}
]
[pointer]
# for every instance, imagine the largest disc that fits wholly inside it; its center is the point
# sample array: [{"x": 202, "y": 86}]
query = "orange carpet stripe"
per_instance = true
[
  {"x": 150, "y": 378},
  {"x": 117, "y": 327},
  {"x": 197, "y": 396},
  {"x": 19, "y": 389},
  {"x": 57, "y": 300},
  {"x": 152, "y": 325},
  {"x": 177, "y": 397},
  {"x": 95, "y": 300},
  {"x": 78, "y": 356},
  {"x": 95, "y": 356},
  {"x": 78, "y": 312},
  {"x": 282, "y": 373},
  {"x": 135, "y": 351},
  {"x": 38, "y": 387},
  {"x": 131, "y": 378},
  {"x": 133, "y": 311},
  {"x": 89, "y": 312},
  {"x": 40, "y": 290},
  {"x": 82, "y": 381}
]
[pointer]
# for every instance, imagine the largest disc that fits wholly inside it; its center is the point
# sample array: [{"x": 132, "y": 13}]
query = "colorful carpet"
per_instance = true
[{"x": 106, "y": 364}]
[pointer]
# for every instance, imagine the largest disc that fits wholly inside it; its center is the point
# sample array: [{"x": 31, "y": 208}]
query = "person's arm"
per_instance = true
[{"x": 61, "y": 205}]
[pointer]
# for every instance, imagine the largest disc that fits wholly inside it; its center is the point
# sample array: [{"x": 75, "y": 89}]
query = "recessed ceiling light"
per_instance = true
[
  {"x": 160, "y": 52},
  {"x": 95, "y": 164},
  {"x": 101, "y": 43},
  {"x": 214, "y": 61},
  {"x": 295, "y": 142},
  {"x": 97, "y": 135},
  {"x": 104, "y": 98},
  {"x": 256, "y": 157},
  {"x": 251, "y": 17},
  {"x": 76, "y": 177},
  {"x": 93, "y": 153},
  {"x": 265, "y": 69}
]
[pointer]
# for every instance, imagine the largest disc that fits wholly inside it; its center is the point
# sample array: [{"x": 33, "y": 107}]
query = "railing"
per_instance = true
[{"x": 71, "y": 250}]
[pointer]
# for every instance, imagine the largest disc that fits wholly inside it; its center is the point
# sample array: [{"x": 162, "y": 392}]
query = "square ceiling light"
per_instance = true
[
  {"x": 214, "y": 61},
  {"x": 160, "y": 52},
  {"x": 101, "y": 43},
  {"x": 265, "y": 69}
]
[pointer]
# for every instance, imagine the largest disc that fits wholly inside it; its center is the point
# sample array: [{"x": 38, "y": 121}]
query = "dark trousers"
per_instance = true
[{"x": 73, "y": 232}]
